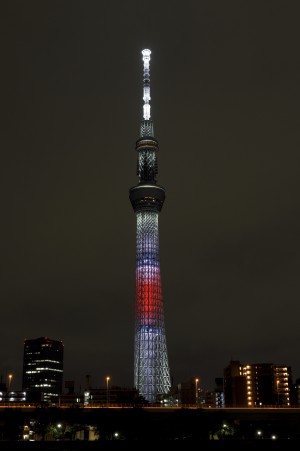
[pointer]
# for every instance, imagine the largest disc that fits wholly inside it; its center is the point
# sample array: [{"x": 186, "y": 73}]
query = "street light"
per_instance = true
[
  {"x": 277, "y": 384},
  {"x": 196, "y": 384},
  {"x": 107, "y": 390},
  {"x": 9, "y": 381}
]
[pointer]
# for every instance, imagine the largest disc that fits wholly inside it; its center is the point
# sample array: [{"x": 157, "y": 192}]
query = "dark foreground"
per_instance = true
[
  {"x": 146, "y": 428},
  {"x": 213, "y": 445}
]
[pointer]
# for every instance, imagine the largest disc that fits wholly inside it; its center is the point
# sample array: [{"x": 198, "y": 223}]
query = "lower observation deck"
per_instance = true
[{"x": 147, "y": 197}]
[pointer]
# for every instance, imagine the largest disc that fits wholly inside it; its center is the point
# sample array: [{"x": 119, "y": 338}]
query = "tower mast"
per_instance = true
[{"x": 151, "y": 367}]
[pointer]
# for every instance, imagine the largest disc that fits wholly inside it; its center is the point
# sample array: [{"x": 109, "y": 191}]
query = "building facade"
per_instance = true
[
  {"x": 151, "y": 366},
  {"x": 258, "y": 385},
  {"x": 43, "y": 369}
]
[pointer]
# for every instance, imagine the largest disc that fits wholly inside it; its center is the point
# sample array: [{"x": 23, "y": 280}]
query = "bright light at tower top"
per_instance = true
[
  {"x": 146, "y": 84},
  {"x": 146, "y": 53}
]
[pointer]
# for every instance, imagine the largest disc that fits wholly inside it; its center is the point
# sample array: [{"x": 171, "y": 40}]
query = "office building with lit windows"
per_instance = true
[
  {"x": 43, "y": 369},
  {"x": 258, "y": 385}
]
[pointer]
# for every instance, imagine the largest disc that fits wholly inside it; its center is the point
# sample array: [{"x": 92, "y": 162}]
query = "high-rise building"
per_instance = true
[
  {"x": 258, "y": 384},
  {"x": 151, "y": 366},
  {"x": 43, "y": 369},
  {"x": 235, "y": 385}
]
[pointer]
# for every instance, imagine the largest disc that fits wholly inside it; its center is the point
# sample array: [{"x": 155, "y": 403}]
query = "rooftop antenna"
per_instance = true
[{"x": 146, "y": 84}]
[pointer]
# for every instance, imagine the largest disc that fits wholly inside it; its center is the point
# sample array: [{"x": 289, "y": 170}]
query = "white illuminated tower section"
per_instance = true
[{"x": 151, "y": 367}]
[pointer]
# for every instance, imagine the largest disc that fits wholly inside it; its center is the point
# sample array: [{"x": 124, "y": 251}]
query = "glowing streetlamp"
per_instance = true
[
  {"x": 10, "y": 376},
  {"x": 107, "y": 390},
  {"x": 277, "y": 385},
  {"x": 196, "y": 385}
]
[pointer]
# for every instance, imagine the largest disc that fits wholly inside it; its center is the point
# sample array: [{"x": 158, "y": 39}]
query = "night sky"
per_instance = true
[{"x": 225, "y": 96}]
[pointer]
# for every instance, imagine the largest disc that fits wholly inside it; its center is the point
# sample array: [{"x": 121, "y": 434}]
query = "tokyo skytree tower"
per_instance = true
[{"x": 151, "y": 367}]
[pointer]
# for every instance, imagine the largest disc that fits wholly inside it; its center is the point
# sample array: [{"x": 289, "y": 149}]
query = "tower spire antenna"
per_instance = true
[{"x": 146, "y": 84}]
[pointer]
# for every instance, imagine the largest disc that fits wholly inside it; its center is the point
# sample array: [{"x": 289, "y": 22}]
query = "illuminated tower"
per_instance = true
[{"x": 151, "y": 367}]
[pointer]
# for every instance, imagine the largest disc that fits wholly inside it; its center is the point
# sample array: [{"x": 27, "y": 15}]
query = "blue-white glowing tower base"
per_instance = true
[{"x": 151, "y": 367}]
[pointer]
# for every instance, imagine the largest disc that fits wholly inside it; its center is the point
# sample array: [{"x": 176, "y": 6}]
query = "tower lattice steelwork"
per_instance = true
[{"x": 151, "y": 367}]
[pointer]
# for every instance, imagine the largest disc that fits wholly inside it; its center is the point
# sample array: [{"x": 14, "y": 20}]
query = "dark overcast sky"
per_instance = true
[{"x": 225, "y": 79}]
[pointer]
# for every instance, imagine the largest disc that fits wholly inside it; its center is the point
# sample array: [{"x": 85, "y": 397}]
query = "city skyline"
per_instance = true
[
  {"x": 225, "y": 79},
  {"x": 90, "y": 382}
]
